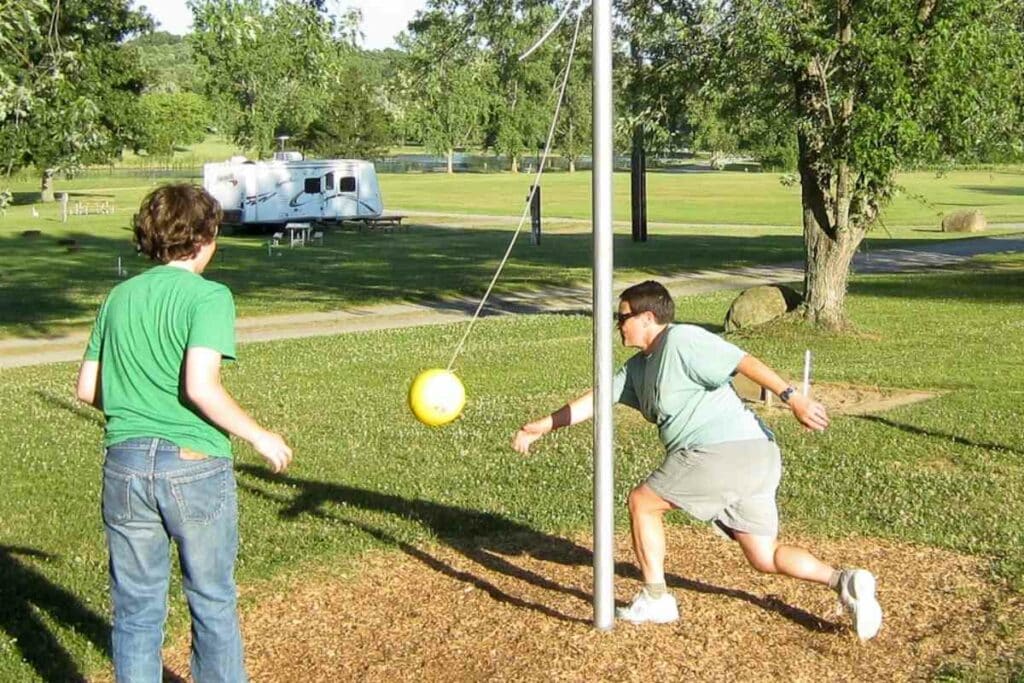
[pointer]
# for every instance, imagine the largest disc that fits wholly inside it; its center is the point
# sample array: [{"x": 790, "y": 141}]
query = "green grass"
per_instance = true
[
  {"x": 708, "y": 198},
  {"x": 946, "y": 473},
  {"x": 45, "y": 288}
]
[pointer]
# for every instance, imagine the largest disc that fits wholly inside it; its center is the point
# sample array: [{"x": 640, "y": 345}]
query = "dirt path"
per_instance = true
[
  {"x": 519, "y": 609},
  {"x": 68, "y": 347}
]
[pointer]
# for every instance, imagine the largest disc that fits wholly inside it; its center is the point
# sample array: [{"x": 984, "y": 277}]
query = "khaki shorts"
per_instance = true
[{"x": 731, "y": 483}]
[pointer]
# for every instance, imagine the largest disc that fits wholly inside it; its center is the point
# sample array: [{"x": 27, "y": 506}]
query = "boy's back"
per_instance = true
[
  {"x": 153, "y": 367},
  {"x": 141, "y": 336}
]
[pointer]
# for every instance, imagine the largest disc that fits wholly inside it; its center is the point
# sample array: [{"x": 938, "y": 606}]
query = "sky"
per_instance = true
[{"x": 382, "y": 19}]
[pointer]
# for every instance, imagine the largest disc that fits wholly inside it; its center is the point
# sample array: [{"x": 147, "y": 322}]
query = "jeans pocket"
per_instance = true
[
  {"x": 202, "y": 496},
  {"x": 117, "y": 505}
]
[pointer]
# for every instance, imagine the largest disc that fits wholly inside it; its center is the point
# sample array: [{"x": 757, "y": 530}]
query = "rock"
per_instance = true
[
  {"x": 964, "y": 221},
  {"x": 758, "y": 305}
]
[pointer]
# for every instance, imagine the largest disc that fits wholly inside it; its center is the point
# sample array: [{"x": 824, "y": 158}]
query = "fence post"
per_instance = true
[{"x": 535, "y": 216}]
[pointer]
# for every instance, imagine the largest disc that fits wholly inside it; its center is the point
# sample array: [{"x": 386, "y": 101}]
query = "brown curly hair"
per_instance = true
[{"x": 174, "y": 221}]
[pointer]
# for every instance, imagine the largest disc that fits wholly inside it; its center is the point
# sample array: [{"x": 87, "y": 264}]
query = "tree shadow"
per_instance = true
[
  {"x": 484, "y": 538},
  {"x": 975, "y": 282},
  {"x": 1006, "y": 190},
  {"x": 79, "y": 410},
  {"x": 945, "y": 436},
  {"x": 24, "y": 593}
]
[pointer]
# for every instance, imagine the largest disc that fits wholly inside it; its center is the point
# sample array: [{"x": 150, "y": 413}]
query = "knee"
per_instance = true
[
  {"x": 644, "y": 501},
  {"x": 762, "y": 559},
  {"x": 763, "y": 564}
]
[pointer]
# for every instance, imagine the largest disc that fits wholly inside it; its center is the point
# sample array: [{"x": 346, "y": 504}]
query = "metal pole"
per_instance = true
[{"x": 604, "y": 564}]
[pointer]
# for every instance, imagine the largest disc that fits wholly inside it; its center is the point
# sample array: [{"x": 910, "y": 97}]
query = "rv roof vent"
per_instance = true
[
  {"x": 237, "y": 159},
  {"x": 287, "y": 156}
]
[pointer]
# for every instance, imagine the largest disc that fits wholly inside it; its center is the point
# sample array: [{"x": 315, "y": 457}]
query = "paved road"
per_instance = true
[{"x": 20, "y": 352}]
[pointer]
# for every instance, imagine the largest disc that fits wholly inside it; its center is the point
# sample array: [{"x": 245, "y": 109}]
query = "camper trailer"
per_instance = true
[{"x": 290, "y": 188}]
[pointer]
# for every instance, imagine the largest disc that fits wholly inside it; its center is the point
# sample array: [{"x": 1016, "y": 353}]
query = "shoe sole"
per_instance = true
[
  {"x": 637, "y": 622},
  {"x": 867, "y": 613},
  {"x": 622, "y": 617}
]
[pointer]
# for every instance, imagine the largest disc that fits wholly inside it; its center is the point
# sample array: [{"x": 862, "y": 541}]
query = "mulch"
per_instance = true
[{"x": 519, "y": 609}]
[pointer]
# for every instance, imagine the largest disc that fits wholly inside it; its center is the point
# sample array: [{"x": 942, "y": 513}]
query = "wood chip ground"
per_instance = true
[{"x": 519, "y": 609}]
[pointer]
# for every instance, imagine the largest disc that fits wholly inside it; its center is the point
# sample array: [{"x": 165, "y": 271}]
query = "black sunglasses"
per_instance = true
[{"x": 621, "y": 318}]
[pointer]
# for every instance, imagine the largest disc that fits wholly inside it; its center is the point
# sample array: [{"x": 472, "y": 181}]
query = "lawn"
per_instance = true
[
  {"x": 46, "y": 287},
  {"x": 712, "y": 199},
  {"x": 945, "y": 473}
]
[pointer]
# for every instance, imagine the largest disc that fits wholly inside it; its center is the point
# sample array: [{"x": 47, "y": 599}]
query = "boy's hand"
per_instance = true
[
  {"x": 524, "y": 438},
  {"x": 810, "y": 414},
  {"x": 274, "y": 450}
]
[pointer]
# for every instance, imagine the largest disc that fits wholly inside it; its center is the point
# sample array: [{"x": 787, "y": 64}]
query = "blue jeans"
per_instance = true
[{"x": 151, "y": 494}]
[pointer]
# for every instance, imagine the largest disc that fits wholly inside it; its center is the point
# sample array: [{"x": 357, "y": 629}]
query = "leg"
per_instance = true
[
  {"x": 646, "y": 510},
  {"x": 652, "y": 604},
  {"x": 139, "y": 572},
  {"x": 856, "y": 587},
  {"x": 766, "y": 554},
  {"x": 205, "y": 527}
]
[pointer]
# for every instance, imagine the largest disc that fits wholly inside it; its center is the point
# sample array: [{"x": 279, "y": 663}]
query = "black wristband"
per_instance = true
[{"x": 786, "y": 394}]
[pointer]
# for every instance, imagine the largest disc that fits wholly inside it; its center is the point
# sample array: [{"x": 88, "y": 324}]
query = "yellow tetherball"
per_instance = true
[{"x": 436, "y": 397}]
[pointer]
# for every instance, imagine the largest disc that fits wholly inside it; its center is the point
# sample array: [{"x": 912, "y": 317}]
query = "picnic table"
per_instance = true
[
  {"x": 298, "y": 233},
  {"x": 384, "y": 222}
]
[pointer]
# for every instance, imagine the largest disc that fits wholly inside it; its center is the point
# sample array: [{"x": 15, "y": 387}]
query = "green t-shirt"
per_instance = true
[
  {"x": 140, "y": 337},
  {"x": 683, "y": 387}
]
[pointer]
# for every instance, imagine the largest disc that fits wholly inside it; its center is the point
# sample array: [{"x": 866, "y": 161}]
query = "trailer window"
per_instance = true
[
  {"x": 329, "y": 181},
  {"x": 348, "y": 184},
  {"x": 312, "y": 186}
]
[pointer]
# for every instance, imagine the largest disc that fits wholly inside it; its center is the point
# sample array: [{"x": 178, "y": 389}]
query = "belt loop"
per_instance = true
[{"x": 152, "y": 455}]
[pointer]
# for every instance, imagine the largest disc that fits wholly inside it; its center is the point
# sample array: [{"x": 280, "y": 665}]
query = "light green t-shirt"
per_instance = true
[
  {"x": 140, "y": 337},
  {"x": 683, "y": 387}
]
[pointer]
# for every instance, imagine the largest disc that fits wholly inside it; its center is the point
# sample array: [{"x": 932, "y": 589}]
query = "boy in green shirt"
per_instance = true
[
  {"x": 721, "y": 464},
  {"x": 153, "y": 367}
]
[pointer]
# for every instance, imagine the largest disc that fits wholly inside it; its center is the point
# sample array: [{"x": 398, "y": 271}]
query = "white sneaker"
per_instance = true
[
  {"x": 645, "y": 609},
  {"x": 857, "y": 593}
]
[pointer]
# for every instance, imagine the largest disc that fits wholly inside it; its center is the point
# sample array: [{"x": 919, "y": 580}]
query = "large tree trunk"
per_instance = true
[
  {"x": 515, "y": 162},
  {"x": 830, "y": 239},
  {"x": 451, "y": 154},
  {"x": 46, "y": 186},
  {"x": 826, "y": 272}
]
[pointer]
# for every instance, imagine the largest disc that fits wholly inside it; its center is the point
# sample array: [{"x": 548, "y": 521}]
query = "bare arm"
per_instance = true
[
  {"x": 578, "y": 410},
  {"x": 88, "y": 389},
  {"x": 810, "y": 414},
  {"x": 203, "y": 388}
]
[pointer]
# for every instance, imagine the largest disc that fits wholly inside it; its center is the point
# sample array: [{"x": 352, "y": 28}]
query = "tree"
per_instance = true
[
  {"x": 449, "y": 83},
  {"x": 355, "y": 123},
  {"x": 270, "y": 68},
  {"x": 867, "y": 88},
  {"x": 168, "y": 63},
  {"x": 575, "y": 124},
  {"x": 521, "y": 107},
  {"x": 662, "y": 56},
  {"x": 172, "y": 119},
  {"x": 68, "y": 84}
]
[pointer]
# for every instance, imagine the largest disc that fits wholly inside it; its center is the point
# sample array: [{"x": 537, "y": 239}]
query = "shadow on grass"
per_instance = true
[
  {"x": 25, "y": 593},
  {"x": 1005, "y": 190},
  {"x": 45, "y": 285},
  {"x": 79, "y": 410},
  {"x": 484, "y": 538},
  {"x": 911, "y": 429},
  {"x": 975, "y": 283}
]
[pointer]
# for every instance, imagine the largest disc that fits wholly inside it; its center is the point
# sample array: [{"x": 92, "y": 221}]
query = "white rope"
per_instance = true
[
  {"x": 583, "y": 4},
  {"x": 529, "y": 198}
]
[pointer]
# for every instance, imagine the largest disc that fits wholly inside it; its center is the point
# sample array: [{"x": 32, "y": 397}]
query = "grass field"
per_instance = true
[
  {"x": 750, "y": 219},
  {"x": 944, "y": 473}
]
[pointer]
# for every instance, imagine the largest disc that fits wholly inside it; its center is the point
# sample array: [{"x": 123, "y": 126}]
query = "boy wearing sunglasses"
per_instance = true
[{"x": 722, "y": 464}]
